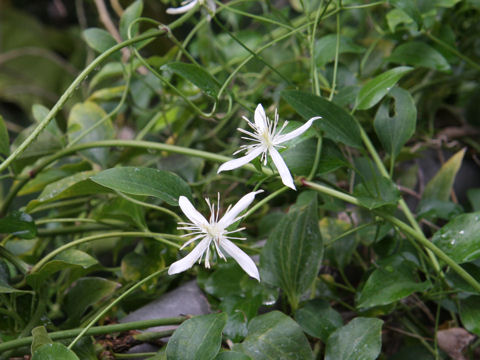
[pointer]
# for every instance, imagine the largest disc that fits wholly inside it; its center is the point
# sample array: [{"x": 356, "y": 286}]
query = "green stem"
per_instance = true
[
  {"x": 402, "y": 226},
  {"x": 18, "y": 263},
  {"x": 84, "y": 240},
  {"x": 264, "y": 201},
  {"x": 96, "y": 330},
  {"x": 69, "y": 92},
  {"x": 71, "y": 230},
  {"x": 335, "y": 64},
  {"x": 113, "y": 303}
]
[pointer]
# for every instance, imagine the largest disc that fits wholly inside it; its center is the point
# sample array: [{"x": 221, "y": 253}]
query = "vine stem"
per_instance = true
[
  {"x": 419, "y": 236},
  {"x": 96, "y": 330},
  {"x": 84, "y": 240},
  {"x": 113, "y": 303},
  {"x": 71, "y": 89}
]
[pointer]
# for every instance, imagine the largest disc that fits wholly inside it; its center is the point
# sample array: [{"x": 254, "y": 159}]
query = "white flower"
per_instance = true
[
  {"x": 266, "y": 139},
  {"x": 190, "y": 4},
  {"x": 214, "y": 231}
]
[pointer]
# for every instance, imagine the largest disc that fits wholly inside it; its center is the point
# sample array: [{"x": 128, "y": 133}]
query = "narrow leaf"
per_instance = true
[
  {"x": 375, "y": 89},
  {"x": 337, "y": 123},
  {"x": 197, "y": 76},
  {"x": 129, "y": 15},
  {"x": 4, "y": 139}
]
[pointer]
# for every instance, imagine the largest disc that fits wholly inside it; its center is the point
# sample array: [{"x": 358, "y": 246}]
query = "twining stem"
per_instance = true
[
  {"x": 113, "y": 303},
  {"x": 419, "y": 236},
  {"x": 84, "y": 240},
  {"x": 69, "y": 92},
  {"x": 96, "y": 330},
  {"x": 335, "y": 64}
]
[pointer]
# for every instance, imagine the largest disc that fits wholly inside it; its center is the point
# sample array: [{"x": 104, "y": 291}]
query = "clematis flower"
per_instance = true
[
  {"x": 190, "y": 4},
  {"x": 214, "y": 232},
  {"x": 266, "y": 139}
]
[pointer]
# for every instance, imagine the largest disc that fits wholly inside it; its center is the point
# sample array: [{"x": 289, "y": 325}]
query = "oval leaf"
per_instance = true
[
  {"x": 19, "y": 224},
  {"x": 144, "y": 181},
  {"x": 470, "y": 314},
  {"x": 292, "y": 256},
  {"x": 338, "y": 124},
  {"x": 459, "y": 238},
  {"x": 197, "y": 338},
  {"x": 361, "y": 338},
  {"x": 275, "y": 336},
  {"x": 55, "y": 351},
  {"x": 197, "y": 76},
  {"x": 419, "y": 54},
  {"x": 98, "y": 39},
  {"x": 375, "y": 89},
  {"x": 4, "y": 139},
  {"x": 394, "y": 131},
  {"x": 318, "y": 319},
  {"x": 129, "y": 15}
]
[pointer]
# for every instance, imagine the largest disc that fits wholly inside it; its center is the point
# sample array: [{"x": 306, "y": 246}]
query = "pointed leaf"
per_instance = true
[
  {"x": 377, "y": 192},
  {"x": 470, "y": 313},
  {"x": 197, "y": 76},
  {"x": 318, "y": 319},
  {"x": 275, "y": 336},
  {"x": 90, "y": 117},
  {"x": 55, "y": 351},
  {"x": 293, "y": 253},
  {"x": 197, "y": 338},
  {"x": 361, "y": 338},
  {"x": 129, "y": 15},
  {"x": 394, "y": 131},
  {"x": 4, "y": 139},
  {"x": 144, "y": 181},
  {"x": 98, "y": 39},
  {"x": 375, "y": 89},
  {"x": 440, "y": 187},
  {"x": 459, "y": 238},
  {"x": 337, "y": 123},
  {"x": 40, "y": 337},
  {"x": 325, "y": 48},
  {"x": 419, "y": 54},
  {"x": 19, "y": 224}
]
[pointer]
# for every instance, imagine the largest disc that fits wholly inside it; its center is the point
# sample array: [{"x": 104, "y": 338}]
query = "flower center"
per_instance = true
[
  {"x": 267, "y": 140},
  {"x": 214, "y": 230}
]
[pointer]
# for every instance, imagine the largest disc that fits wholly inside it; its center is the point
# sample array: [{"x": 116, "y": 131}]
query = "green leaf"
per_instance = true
[
  {"x": 19, "y": 224},
  {"x": 232, "y": 355},
  {"x": 72, "y": 186},
  {"x": 318, "y": 319},
  {"x": 40, "y": 337},
  {"x": 325, "y": 48},
  {"x": 419, "y": 54},
  {"x": 239, "y": 310},
  {"x": 197, "y": 338},
  {"x": 338, "y": 124},
  {"x": 375, "y": 89},
  {"x": 85, "y": 116},
  {"x": 144, "y": 181},
  {"x": 361, "y": 338},
  {"x": 68, "y": 259},
  {"x": 98, "y": 39},
  {"x": 292, "y": 256},
  {"x": 395, "y": 279},
  {"x": 4, "y": 139},
  {"x": 440, "y": 187},
  {"x": 377, "y": 192},
  {"x": 470, "y": 313},
  {"x": 396, "y": 17},
  {"x": 410, "y": 8},
  {"x": 275, "y": 336},
  {"x": 129, "y": 15},
  {"x": 55, "y": 351},
  {"x": 197, "y": 76},
  {"x": 457, "y": 282},
  {"x": 459, "y": 238},
  {"x": 474, "y": 198},
  {"x": 86, "y": 292},
  {"x": 394, "y": 131},
  {"x": 338, "y": 248}
]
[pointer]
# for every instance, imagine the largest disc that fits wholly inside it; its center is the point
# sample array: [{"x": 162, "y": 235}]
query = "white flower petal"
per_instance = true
[
  {"x": 182, "y": 9},
  {"x": 188, "y": 261},
  {"x": 236, "y": 163},
  {"x": 282, "y": 168},
  {"x": 297, "y": 132},
  {"x": 193, "y": 215},
  {"x": 231, "y": 215},
  {"x": 260, "y": 119},
  {"x": 245, "y": 262}
]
